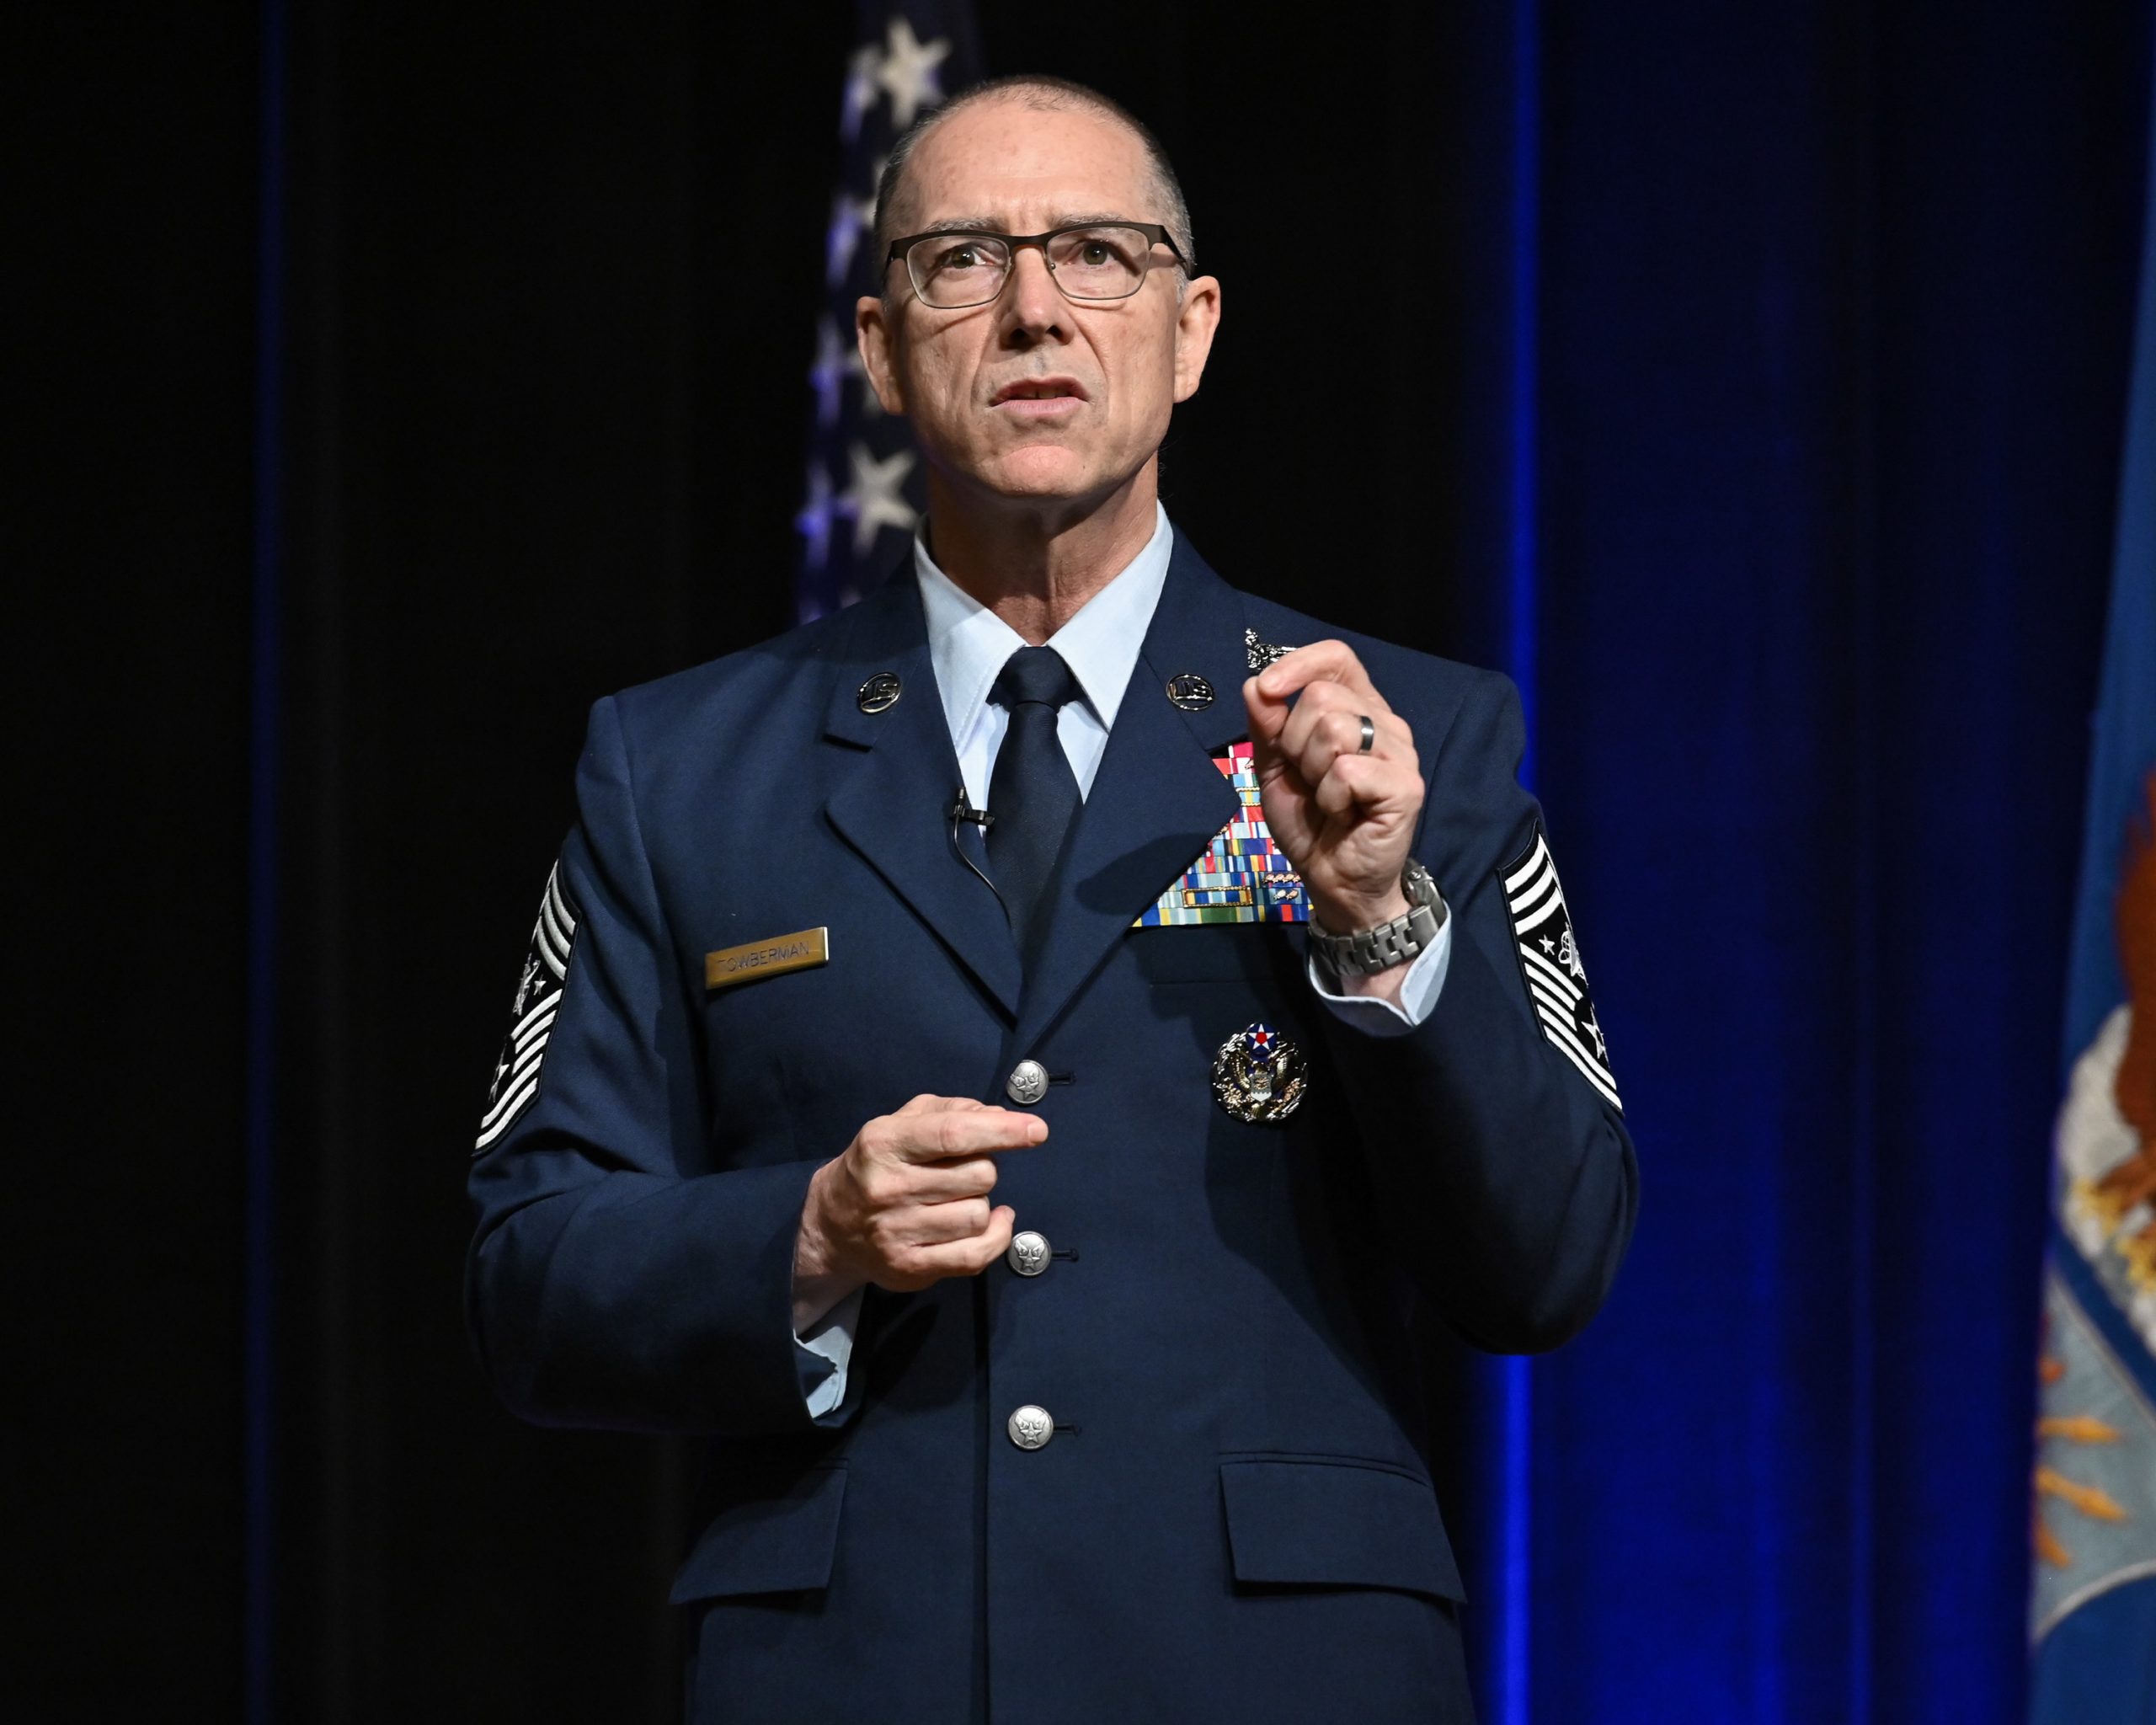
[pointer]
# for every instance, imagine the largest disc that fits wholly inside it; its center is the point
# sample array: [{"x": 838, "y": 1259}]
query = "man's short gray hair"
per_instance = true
[{"x": 1039, "y": 90}]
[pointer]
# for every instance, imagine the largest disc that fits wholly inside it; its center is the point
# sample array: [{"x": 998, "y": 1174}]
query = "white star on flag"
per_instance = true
[
  {"x": 873, "y": 500},
  {"x": 908, "y": 71}
]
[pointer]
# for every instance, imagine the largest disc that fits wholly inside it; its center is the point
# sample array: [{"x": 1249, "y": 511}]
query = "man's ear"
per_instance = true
[
  {"x": 877, "y": 341},
  {"x": 1196, "y": 318}
]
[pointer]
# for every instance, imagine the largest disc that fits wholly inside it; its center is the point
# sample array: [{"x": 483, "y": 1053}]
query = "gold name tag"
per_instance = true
[{"x": 767, "y": 958}]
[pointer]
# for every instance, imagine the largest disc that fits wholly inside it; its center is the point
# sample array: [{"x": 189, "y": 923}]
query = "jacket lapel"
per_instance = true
[
  {"x": 1157, "y": 798},
  {"x": 892, "y": 804}
]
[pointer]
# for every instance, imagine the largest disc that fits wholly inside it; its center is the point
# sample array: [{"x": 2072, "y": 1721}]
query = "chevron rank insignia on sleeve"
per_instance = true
[
  {"x": 531, "y": 1013},
  {"x": 1549, "y": 964}
]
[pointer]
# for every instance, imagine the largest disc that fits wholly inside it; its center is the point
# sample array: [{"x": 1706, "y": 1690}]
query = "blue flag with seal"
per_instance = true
[
  {"x": 2092, "y": 1615},
  {"x": 864, "y": 488}
]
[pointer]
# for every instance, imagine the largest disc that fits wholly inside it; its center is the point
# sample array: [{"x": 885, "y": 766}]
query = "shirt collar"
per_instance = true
[{"x": 968, "y": 642}]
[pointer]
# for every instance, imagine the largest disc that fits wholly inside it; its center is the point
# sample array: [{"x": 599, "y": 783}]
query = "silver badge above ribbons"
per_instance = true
[
  {"x": 1261, "y": 653},
  {"x": 1259, "y": 1076}
]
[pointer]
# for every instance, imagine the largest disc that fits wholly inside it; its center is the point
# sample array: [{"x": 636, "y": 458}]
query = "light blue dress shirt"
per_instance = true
[{"x": 968, "y": 645}]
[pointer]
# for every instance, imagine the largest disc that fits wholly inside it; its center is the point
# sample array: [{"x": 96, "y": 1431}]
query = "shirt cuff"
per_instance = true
[
  {"x": 1375, "y": 1016},
  {"x": 830, "y": 1338}
]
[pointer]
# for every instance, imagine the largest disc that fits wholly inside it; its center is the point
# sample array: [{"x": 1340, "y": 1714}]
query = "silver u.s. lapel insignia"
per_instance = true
[
  {"x": 879, "y": 694},
  {"x": 1190, "y": 691},
  {"x": 1259, "y": 1076}
]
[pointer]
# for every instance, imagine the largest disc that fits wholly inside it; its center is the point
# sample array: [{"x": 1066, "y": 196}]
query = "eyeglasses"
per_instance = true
[{"x": 1098, "y": 261}]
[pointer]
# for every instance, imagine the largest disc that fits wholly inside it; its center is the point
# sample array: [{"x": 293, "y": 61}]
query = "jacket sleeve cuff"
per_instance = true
[{"x": 823, "y": 1355}]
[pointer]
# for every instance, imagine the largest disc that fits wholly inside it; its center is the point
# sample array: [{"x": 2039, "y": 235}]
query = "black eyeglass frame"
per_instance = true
[{"x": 1156, "y": 234}]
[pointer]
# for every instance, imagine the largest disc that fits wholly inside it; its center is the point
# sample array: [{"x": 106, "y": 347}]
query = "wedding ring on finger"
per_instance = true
[{"x": 1370, "y": 734}]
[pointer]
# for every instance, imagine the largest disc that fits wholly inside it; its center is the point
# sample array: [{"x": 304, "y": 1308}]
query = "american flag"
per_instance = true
[{"x": 864, "y": 491}]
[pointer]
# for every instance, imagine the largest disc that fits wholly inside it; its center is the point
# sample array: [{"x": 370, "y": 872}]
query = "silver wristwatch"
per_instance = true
[{"x": 1370, "y": 950}]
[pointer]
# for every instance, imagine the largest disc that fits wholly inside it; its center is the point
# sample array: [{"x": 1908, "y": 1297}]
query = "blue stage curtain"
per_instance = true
[{"x": 1832, "y": 329}]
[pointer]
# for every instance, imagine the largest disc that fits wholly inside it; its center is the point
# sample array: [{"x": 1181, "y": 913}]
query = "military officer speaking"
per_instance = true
[{"x": 1004, "y": 1062}]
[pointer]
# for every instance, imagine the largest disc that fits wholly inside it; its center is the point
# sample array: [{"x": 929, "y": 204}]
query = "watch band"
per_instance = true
[{"x": 1369, "y": 950}]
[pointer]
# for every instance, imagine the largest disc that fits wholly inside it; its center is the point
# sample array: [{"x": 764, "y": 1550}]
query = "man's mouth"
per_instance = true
[{"x": 1040, "y": 389}]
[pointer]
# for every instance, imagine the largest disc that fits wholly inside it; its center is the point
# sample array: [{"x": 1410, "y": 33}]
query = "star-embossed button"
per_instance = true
[
  {"x": 1027, "y": 1083},
  {"x": 1259, "y": 1076},
  {"x": 1030, "y": 1426},
  {"x": 879, "y": 694},
  {"x": 1028, "y": 1253},
  {"x": 1190, "y": 691}
]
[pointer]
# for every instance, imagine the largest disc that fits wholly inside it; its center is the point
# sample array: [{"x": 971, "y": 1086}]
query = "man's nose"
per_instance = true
[{"x": 1034, "y": 307}]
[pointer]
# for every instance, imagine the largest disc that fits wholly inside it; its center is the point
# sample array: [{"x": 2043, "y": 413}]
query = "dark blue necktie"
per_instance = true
[{"x": 1033, "y": 793}]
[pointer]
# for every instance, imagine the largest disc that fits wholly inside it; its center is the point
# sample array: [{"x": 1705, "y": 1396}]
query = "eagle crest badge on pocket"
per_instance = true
[
  {"x": 1243, "y": 877},
  {"x": 1259, "y": 1077}
]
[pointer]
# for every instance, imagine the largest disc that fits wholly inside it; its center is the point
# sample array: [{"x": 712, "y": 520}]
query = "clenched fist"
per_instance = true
[
  {"x": 1344, "y": 817},
  {"x": 906, "y": 1204}
]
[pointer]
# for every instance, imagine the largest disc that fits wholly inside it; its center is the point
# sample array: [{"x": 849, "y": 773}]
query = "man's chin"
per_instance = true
[
  {"x": 1045, "y": 475},
  {"x": 1041, "y": 475}
]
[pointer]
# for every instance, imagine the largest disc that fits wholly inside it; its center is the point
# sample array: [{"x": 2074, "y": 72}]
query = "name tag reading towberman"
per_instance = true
[{"x": 767, "y": 958}]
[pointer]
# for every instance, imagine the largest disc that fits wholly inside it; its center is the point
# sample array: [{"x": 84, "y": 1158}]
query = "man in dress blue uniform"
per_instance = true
[{"x": 1003, "y": 1062}]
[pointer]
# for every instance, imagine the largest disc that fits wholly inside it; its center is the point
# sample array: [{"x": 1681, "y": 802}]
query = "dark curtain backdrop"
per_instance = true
[{"x": 1747, "y": 380}]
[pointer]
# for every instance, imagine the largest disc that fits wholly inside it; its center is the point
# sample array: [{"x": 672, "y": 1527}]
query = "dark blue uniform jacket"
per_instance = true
[{"x": 1235, "y": 1518}]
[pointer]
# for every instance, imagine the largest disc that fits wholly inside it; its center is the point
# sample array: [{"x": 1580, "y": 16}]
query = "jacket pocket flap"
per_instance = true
[
  {"x": 1318, "y": 1523},
  {"x": 767, "y": 1545}
]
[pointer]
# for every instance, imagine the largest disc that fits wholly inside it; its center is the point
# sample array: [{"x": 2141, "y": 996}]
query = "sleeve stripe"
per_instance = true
[
  {"x": 1568, "y": 1044},
  {"x": 509, "y": 1109},
  {"x": 1556, "y": 1003},
  {"x": 552, "y": 940},
  {"x": 1558, "y": 998},
  {"x": 1550, "y": 906},
  {"x": 1548, "y": 973},
  {"x": 526, "y": 1055},
  {"x": 558, "y": 896},
  {"x": 1544, "y": 883},
  {"x": 1540, "y": 854},
  {"x": 516, "y": 1073},
  {"x": 529, "y": 1023}
]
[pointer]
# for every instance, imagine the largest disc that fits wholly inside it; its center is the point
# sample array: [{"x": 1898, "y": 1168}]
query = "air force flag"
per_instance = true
[{"x": 2093, "y": 1588}]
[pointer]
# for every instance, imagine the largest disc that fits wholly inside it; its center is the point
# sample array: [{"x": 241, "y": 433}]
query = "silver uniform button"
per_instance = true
[
  {"x": 1028, "y": 1253},
  {"x": 1027, "y": 1083},
  {"x": 1031, "y": 1427}
]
